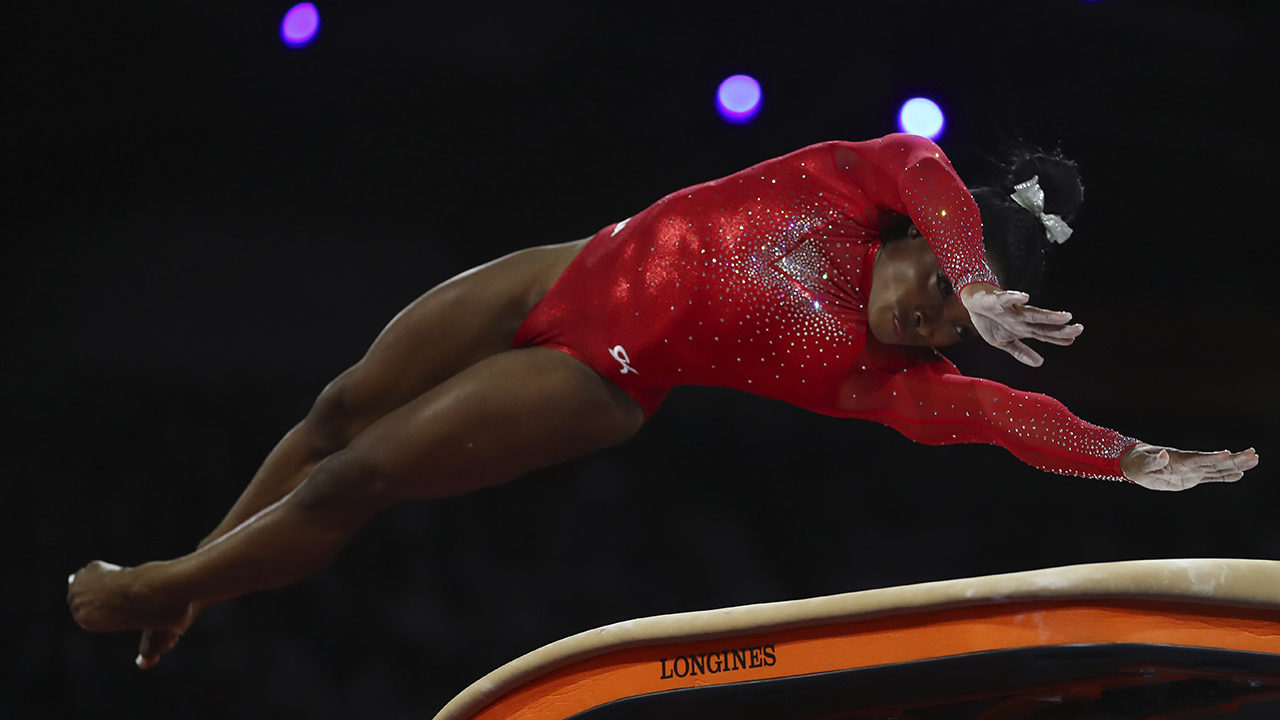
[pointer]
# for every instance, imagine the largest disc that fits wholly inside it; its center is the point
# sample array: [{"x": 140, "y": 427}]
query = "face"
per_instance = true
[{"x": 911, "y": 300}]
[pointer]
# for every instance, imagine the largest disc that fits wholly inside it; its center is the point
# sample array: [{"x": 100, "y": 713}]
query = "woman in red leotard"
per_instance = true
[{"x": 826, "y": 278}]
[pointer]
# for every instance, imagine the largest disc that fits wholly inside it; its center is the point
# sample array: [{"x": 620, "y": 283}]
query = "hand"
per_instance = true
[
  {"x": 1003, "y": 319},
  {"x": 1163, "y": 468}
]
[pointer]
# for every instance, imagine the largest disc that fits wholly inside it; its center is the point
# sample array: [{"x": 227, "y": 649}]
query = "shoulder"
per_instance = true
[
  {"x": 891, "y": 143},
  {"x": 893, "y": 153}
]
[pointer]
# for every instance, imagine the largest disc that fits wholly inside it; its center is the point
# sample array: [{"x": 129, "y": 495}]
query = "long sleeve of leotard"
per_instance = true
[
  {"x": 909, "y": 174},
  {"x": 931, "y": 402}
]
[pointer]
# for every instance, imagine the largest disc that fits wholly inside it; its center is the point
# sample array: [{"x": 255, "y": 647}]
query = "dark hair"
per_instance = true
[{"x": 1015, "y": 238}]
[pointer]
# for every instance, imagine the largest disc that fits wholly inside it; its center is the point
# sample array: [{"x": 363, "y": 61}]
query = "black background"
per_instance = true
[{"x": 205, "y": 227}]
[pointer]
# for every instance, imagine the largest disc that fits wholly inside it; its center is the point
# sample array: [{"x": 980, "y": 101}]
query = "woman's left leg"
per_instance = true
[
  {"x": 461, "y": 321},
  {"x": 498, "y": 419}
]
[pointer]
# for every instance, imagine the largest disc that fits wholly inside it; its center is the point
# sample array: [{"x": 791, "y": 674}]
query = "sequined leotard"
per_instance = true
[{"x": 759, "y": 281}]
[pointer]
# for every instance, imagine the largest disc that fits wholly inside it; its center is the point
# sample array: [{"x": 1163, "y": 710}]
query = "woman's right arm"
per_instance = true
[{"x": 909, "y": 174}]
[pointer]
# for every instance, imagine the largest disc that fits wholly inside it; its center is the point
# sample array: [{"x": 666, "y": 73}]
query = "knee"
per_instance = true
[
  {"x": 342, "y": 484},
  {"x": 333, "y": 420}
]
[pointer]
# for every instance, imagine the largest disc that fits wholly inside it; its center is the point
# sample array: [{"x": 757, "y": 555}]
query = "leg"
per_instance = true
[
  {"x": 471, "y": 317},
  {"x": 500, "y": 418}
]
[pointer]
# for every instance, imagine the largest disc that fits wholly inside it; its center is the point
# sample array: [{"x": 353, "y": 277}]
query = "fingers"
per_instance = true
[
  {"x": 1232, "y": 465},
  {"x": 1040, "y": 316},
  {"x": 1014, "y": 301},
  {"x": 1221, "y": 459},
  {"x": 1023, "y": 354},
  {"x": 1224, "y": 476},
  {"x": 1220, "y": 466},
  {"x": 1246, "y": 460},
  {"x": 1203, "y": 460},
  {"x": 1057, "y": 334},
  {"x": 1010, "y": 297},
  {"x": 1005, "y": 314}
]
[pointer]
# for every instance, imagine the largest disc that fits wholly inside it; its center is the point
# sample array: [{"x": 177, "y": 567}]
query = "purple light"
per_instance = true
[
  {"x": 921, "y": 116},
  {"x": 738, "y": 98},
  {"x": 299, "y": 25}
]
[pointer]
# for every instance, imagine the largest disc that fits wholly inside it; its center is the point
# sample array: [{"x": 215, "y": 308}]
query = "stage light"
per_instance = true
[
  {"x": 738, "y": 98},
  {"x": 299, "y": 25},
  {"x": 921, "y": 116}
]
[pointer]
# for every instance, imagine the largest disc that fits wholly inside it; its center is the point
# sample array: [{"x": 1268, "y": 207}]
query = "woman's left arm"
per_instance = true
[{"x": 931, "y": 402}]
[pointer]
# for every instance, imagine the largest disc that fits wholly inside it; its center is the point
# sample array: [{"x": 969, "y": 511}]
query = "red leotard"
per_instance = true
[{"x": 759, "y": 281}]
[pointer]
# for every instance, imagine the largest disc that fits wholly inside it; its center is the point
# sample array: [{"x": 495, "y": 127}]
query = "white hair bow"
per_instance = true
[{"x": 1030, "y": 195}]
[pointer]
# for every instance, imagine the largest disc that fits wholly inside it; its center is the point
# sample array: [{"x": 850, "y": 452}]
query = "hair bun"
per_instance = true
[{"x": 1059, "y": 178}]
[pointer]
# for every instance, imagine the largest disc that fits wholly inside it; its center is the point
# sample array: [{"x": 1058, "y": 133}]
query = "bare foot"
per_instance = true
[
  {"x": 105, "y": 597},
  {"x": 158, "y": 641}
]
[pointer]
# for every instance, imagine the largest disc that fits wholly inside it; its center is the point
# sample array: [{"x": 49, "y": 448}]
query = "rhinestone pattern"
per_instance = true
[
  {"x": 759, "y": 280},
  {"x": 927, "y": 399}
]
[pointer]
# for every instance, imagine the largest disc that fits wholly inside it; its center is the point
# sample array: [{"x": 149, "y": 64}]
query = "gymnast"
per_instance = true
[{"x": 826, "y": 278}]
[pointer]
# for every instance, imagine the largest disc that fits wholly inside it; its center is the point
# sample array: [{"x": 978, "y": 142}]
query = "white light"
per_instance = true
[{"x": 921, "y": 116}]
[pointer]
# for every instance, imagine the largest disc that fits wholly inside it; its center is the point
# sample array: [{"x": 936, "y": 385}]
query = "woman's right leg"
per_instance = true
[
  {"x": 460, "y": 322},
  {"x": 494, "y": 421}
]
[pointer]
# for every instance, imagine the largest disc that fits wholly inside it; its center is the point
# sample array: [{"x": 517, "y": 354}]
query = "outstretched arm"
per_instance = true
[{"x": 931, "y": 402}]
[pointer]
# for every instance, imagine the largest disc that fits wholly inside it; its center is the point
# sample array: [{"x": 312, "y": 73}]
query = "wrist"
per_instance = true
[
  {"x": 150, "y": 589},
  {"x": 976, "y": 288},
  {"x": 1131, "y": 462}
]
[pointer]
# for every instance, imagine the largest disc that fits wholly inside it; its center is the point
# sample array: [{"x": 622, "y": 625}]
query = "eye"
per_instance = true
[{"x": 944, "y": 285}]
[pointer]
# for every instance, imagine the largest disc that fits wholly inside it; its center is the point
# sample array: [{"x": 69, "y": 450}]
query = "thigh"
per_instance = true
[
  {"x": 500, "y": 418},
  {"x": 470, "y": 317}
]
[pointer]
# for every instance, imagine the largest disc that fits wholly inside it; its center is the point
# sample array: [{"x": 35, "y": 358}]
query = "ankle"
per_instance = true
[{"x": 148, "y": 587}]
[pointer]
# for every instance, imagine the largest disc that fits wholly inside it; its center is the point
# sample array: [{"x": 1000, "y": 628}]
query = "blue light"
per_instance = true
[
  {"x": 738, "y": 98},
  {"x": 299, "y": 25},
  {"x": 921, "y": 116}
]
